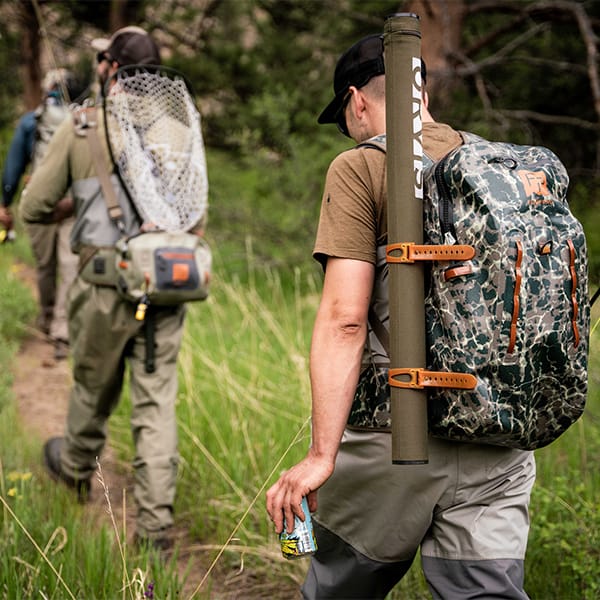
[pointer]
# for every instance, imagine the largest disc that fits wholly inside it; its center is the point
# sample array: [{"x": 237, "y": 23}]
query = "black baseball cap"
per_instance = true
[
  {"x": 129, "y": 46},
  {"x": 356, "y": 67},
  {"x": 360, "y": 63}
]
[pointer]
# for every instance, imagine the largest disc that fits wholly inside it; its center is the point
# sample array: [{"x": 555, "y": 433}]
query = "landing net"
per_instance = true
[{"x": 154, "y": 135}]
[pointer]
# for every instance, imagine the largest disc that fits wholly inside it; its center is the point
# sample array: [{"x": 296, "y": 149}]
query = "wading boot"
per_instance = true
[{"x": 52, "y": 463}]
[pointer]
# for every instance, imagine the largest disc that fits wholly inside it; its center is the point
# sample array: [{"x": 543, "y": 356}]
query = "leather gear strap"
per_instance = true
[
  {"x": 87, "y": 127},
  {"x": 410, "y": 252},
  {"x": 421, "y": 378}
]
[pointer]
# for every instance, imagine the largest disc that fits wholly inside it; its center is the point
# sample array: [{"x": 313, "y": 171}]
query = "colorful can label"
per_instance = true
[{"x": 301, "y": 542}]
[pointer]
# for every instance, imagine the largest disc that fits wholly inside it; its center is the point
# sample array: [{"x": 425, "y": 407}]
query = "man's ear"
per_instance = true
[
  {"x": 358, "y": 100},
  {"x": 425, "y": 99}
]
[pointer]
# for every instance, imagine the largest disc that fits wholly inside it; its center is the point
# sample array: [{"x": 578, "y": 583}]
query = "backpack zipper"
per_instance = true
[
  {"x": 446, "y": 216},
  {"x": 516, "y": 300},
  {"x": 574, "y": 303}
]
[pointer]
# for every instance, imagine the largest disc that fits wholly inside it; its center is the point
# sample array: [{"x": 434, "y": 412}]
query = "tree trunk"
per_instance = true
[
  {"x": 30, "y": 53},
  {"x": 118, "y": 15},
  {"x": 441, "y": 28}
]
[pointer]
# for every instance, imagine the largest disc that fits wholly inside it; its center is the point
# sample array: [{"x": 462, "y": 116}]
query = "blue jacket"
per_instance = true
[{"x": 19, "y": 156}]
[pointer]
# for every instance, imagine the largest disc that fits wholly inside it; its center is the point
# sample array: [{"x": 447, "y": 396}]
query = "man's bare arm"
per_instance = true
[{"x": 338, "y": 339}]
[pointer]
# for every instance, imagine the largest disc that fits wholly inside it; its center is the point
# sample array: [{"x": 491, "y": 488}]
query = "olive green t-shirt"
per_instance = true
[{"x": 353, "y": 219}]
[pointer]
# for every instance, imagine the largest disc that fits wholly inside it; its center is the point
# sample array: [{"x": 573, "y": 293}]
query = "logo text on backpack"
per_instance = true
[{"x": 536, "y": 187}]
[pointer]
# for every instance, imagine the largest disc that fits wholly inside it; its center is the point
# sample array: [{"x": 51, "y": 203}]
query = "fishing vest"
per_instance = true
[{"x": 93, "y": 226}]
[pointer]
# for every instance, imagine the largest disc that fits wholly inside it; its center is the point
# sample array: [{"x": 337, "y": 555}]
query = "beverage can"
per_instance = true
[{"x": 301, "y": 542}]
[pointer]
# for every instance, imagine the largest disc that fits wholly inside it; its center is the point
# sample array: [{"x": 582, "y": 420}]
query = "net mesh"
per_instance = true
[{"x": 154, "y": 134}]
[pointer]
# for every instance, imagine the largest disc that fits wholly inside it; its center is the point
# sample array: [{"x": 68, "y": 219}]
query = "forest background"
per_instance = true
[{"x": 520, "y": 71}]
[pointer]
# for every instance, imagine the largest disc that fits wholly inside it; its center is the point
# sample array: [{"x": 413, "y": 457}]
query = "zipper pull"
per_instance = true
[
  {"x": 449, "y": 239},
  {"x": 142, "y": 307}
]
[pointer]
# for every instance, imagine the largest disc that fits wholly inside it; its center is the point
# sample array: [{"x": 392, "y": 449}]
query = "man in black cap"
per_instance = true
[
  {"x": 104, "y": 333},
  {"x": 467, "y": 510},
  {"x": 128, "y": 46}
]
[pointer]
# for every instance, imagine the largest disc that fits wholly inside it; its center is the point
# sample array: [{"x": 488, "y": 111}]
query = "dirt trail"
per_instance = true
[{"x": 41, "y": 387}]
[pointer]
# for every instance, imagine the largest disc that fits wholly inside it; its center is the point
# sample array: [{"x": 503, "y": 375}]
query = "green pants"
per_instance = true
[
  {"x": 104, "y": 337},
  {"x": 56, "y": 268}
]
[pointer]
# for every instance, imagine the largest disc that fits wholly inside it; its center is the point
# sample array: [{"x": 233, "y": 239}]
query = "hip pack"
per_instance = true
[
  {"x": 516, "y": 316},
  {"x": 163, "y": 268}
]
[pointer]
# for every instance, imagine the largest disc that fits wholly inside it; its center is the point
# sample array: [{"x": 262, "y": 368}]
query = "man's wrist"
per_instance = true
[{"x": 326, "y": 455}]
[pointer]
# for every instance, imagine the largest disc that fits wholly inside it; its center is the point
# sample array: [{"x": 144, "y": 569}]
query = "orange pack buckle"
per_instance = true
[
  {"x": 409, "y": 252},
  {"x": 421, "y": 378}
]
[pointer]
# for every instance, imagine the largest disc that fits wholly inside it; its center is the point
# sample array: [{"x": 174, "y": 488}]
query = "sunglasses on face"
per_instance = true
[
  {"x": 102, "y": 56},
  {"x": 340, "y": 115}
]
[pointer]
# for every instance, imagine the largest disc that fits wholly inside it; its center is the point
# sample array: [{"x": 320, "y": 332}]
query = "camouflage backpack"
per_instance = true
[{"x": 517, "y": 315}]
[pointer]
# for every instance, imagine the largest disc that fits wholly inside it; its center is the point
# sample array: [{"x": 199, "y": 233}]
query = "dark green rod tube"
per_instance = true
[{"x": 402, "y": 45}]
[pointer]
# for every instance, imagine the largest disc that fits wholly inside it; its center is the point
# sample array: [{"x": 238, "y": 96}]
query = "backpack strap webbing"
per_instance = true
[
  {"x": 595, "y": 297},
  {"x": 86, "y": 123},
  {"x": 381, "y": 333},
  {"x": 149, "y": 338}
]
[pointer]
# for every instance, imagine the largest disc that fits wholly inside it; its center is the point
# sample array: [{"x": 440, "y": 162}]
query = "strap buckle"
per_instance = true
[
  {"x": 422, "y": 378},
  {"x": 409, "y": 252}
]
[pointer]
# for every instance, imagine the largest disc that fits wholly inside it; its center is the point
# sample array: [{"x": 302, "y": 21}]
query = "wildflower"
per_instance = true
[
  {"x": 12, "y": 492},
  {"x": 149, "y": 593},
  {"x": 18, "y": 476}
]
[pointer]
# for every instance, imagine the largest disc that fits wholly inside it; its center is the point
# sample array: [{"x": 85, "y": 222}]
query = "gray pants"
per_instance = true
[
  {"x": 466, "y": 511},
  {"x": 104, "y": 337},
  {"x": 338, "y": 571}
]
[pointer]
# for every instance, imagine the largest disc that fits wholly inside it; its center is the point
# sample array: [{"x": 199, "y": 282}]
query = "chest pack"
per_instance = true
[{"x": 515, "y": 317}]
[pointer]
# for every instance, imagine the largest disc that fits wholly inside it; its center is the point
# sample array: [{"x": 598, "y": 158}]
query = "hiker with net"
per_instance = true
[
  {"x": 56, "y": 265},
  {"x": 146, "y": 133},
  {"x": 466, "y": 511}
]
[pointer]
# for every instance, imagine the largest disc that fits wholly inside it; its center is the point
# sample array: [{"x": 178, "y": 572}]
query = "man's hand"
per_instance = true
[
  {"x": 6, "y": 218},
  {"x": 303, "y": 479},
  {"x": 63, "y": 210}
]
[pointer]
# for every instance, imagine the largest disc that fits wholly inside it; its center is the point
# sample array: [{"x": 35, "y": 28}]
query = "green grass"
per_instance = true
[
  {"x": 50, "y": 547},
  {"x": 243, "y": 405},
  {"x": 243, "y": 408},
  {"x": 563, "y": 558}
]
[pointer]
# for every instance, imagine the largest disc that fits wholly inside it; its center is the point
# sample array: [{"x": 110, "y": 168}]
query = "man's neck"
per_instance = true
[{"x": 426, "y": 115}]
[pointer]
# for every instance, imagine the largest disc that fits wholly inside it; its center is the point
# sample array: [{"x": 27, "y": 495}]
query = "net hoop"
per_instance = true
[{"x": 154, "y": 135}]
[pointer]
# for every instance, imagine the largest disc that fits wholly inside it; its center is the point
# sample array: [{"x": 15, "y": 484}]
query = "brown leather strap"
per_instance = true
[
  {"x": 421, "y": 378},
  {"x": 410, "y": 252},
  {"x": 516, "y": 301},
  {"x": 457, "y": 271},
  {"x": 114, "y": 209},
  {"x": 573, "y": 291},
  {"x": 86, "y": 253}
]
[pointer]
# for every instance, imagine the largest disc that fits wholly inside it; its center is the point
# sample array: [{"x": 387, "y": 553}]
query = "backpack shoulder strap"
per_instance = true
[
  {"x": 471, "y": 138},
  {"x": 379, "y": 143},
  {"x": 86, "y": 124}
]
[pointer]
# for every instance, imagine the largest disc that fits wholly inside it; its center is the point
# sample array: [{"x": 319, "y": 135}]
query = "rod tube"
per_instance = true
[{"x": 402, "y": 46}]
